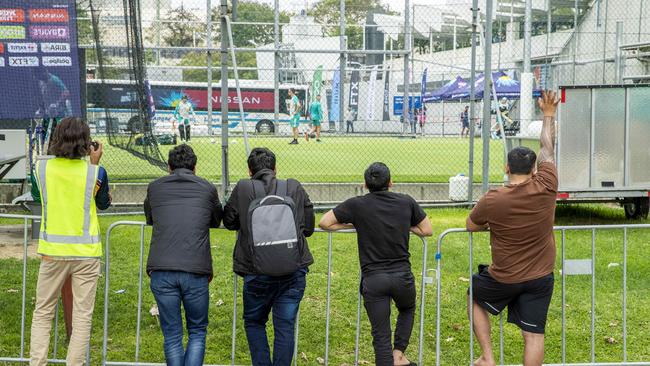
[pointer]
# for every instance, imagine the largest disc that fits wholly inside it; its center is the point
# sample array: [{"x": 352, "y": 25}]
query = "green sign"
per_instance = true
[{"x": 12, "y": 32}]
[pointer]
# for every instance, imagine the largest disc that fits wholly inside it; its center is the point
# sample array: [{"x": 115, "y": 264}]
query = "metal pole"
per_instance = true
[
  {"x": 487, "y": 87},
  {"x": 24, "y": 291},
  {"x": 618, "y": 61},
  {"x": 327, "y": 305},
  {"x": 640, "y": 21},
  {"x": 605, "y": 41},
  {"x": 357, "y": 336},
  {"x": 234, "y": 321},
  {"x": 625, "y": 295},
  {"x": 342, "y": 63},
  {"x": 158, "y": 31},
  {"x": 470, "y": 300},
  {"x": 276, "y": 63},
  {"x": 139, "y": 315},
  {"x": 593, "y": 295},
  {"x": 407, "y": 46},
  {"x": 527, "y": 34},
  {"x": 526, "y": 97},
  {"x": 575, "y": 38},
  {"x": 425, "y": 252},
  {"x": 240, "y": 103},
  {"x": 224, "y": 101},
  {"x": 549, "y": 29},
  {"x": 209, "y": 63},
  {"x": 472, "y": 96},
  {"x": 563, "y": 301}
]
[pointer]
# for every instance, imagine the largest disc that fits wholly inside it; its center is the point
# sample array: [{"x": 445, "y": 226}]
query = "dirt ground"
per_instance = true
[{"x": 11, "y": 242}]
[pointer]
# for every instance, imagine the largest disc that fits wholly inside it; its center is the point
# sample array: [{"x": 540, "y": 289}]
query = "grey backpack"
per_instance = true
[{"x": 276, "y": 244}]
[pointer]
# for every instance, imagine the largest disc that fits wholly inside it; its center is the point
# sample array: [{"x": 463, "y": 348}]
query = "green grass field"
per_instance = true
[
  {"x": 454, "y": 331},
  {"x": 336, "y": 159}
]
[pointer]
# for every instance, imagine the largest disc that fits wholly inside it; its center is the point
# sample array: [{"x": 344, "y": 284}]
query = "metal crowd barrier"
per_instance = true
[
  {"x": 21, "y": 357},
  {"x": 592, "y": 271},
  {"x": 136, "y": 361}
]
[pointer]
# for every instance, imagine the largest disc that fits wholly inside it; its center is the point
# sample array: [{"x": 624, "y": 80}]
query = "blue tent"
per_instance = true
[
  {"x": 437, "y": 95},
  {"x": 504, "y": 85}
]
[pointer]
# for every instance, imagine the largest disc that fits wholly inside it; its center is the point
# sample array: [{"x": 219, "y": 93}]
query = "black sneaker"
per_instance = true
[
  {"x": 294, "y": 142},
  {"x": 317, "y": 140}
]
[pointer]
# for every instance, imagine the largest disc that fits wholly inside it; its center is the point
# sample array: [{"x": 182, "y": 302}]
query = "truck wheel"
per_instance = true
[
  {"x": 265, "y": 127},
  {"x": 637, "y": 208}
]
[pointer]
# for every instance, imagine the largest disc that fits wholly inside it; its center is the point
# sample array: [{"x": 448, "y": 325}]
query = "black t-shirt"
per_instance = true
[{"x": 383, "y": 221}]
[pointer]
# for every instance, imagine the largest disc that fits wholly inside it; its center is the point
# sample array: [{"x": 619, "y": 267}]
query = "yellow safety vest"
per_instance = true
[{"x": 69, "y": 225}]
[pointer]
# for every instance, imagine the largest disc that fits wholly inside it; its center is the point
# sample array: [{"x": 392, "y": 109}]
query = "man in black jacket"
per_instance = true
[
  {"x": 182, "y": 208},
  {"x": 264, "y": 293}
]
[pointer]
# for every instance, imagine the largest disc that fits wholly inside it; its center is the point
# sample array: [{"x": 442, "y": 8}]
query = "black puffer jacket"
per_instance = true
[{"x": 236, "y": 218}]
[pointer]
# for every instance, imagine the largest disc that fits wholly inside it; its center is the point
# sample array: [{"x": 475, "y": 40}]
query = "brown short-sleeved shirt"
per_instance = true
[{"x": 521, "y": 221}]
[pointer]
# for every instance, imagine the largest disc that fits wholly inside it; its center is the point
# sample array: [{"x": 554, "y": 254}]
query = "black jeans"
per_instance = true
[
  {"x": 349, "y": 127},
  {"x": 184, "y": 132},
  {"x": 378, "y": 289}
]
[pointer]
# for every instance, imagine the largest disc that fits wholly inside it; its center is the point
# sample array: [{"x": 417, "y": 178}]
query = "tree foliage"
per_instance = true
[
  {"x": 328, "y": 12},
  {"x": 180, "y": 28},
  {"x": 254, "y": 12}
]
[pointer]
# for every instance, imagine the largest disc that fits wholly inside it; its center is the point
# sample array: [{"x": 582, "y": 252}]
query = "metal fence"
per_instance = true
[
  {"x": 569, "y": 267},
  {"x": 575, "y": 242},
  {"x": 364, "y": 65}
]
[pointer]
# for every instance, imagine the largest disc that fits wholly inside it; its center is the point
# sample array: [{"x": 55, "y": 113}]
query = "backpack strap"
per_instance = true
[
  {"x": 258, "y": 191},
  {"x": 281, "y": 187}
]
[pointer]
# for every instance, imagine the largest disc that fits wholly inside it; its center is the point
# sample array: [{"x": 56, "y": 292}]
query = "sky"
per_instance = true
[{"x": 297, "y": 5}]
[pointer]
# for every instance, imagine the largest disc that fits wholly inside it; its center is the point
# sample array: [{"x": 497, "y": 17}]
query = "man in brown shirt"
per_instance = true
[{"x": 520, "y": 218}]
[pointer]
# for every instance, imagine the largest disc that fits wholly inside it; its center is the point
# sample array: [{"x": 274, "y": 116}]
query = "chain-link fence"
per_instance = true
[{"x": 350, "y": 75}]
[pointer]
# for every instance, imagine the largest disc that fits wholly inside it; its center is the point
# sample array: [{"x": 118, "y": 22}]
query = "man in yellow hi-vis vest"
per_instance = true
[{"x": 71, "y": 190}]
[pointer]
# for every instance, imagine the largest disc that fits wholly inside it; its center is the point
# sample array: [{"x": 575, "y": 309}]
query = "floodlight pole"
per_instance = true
[
  {"x": 487, "y": 88},
  {"x": 225, "y": 182}
]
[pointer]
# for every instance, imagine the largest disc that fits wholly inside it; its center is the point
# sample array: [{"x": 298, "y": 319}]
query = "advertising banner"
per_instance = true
[
  {"x": 335, "y": 107},
  {"x": 370, "y": 111},
  {"x": 353, "y": 101},
  {"x": 39, "y": 64},
  {"x": 386, "y": 114}
]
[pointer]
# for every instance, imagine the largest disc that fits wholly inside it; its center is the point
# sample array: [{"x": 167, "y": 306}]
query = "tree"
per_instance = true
[
  {"x": 251, "y": 11},
  {"x": 244, "y": 59},
  {"x": 180, "y": 29},
  {"x": 328, "y": 12}
]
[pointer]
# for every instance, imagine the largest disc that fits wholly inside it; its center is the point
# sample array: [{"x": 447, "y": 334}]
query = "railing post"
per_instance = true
[
  {"x": 139, "y": 316},
  {"x": 234, "y": 321},
  {"x": 425, "y": 251},
  {"x": 470, "y": 302},
  {"x": 329, "y": 286},
  {"x": 24, "y": 290},
  {"x": 624, "y": 294}
]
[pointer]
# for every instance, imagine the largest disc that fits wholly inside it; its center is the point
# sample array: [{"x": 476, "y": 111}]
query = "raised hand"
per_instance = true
[{"x": 548, "y": 103}]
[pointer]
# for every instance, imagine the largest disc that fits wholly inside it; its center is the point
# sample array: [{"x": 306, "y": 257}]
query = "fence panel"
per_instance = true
[{"x": 568, "y": 267}]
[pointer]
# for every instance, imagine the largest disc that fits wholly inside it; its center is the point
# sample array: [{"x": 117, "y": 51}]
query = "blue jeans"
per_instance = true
[
  {"x": 170, "y": 288},
  {"x": 282, "y": 295}
]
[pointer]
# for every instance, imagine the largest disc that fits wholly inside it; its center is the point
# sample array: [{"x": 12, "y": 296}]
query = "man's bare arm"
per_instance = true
[{"x": 548, "y": 104}]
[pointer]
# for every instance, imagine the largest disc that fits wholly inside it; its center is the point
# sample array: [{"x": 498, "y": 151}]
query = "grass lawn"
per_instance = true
[
  {"x": 335, "y": 159},
  {"x": 454, "y": 330}
]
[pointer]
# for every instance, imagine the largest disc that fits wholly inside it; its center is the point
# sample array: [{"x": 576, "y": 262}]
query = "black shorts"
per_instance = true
[
  {"x": 527, "y": 302},
  {"x": 465, "y": 124}
]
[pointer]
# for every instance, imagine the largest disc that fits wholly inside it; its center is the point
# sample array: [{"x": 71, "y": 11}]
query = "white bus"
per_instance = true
[{"x": 119, "y": 99}]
